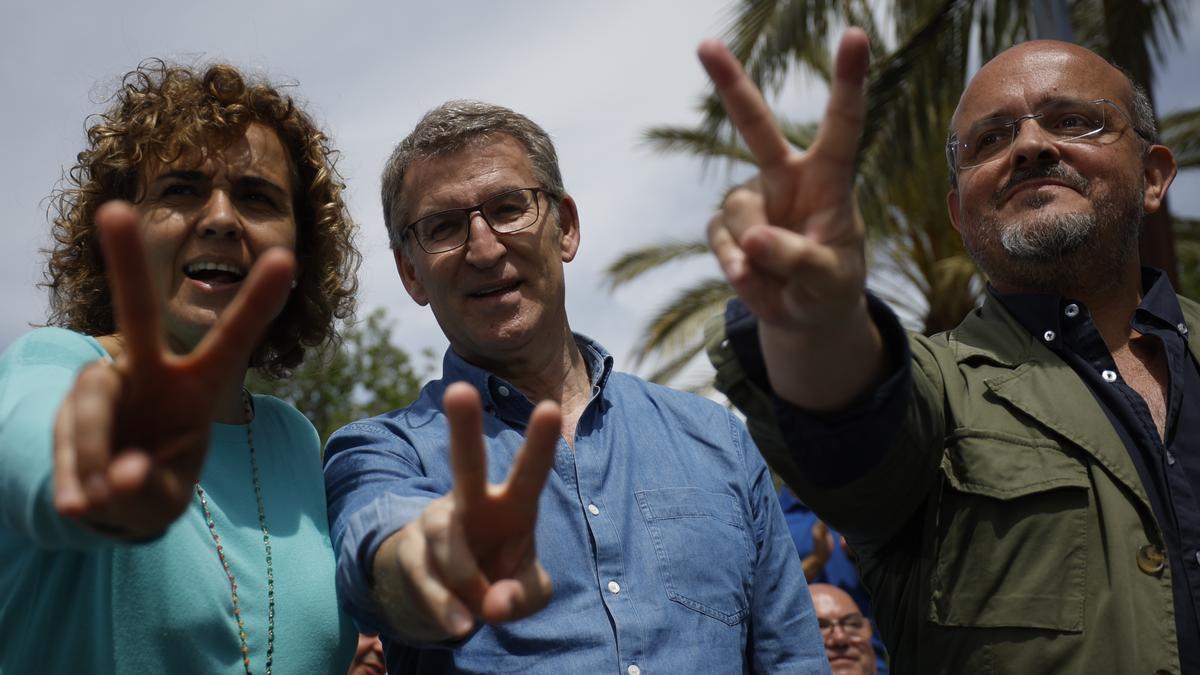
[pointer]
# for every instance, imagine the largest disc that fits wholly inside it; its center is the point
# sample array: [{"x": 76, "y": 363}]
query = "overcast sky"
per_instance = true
[{"x": 595, "y": 75}]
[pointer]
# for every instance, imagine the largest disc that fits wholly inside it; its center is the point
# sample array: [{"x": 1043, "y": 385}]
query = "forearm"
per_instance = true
[{"x": 826, "y": 368}]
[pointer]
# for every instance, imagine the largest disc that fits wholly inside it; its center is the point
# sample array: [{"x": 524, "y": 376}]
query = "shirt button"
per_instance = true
[
  {"x": 1109, "y": 376},
  {"x": 1198, "y": 557},
  {"x": 614, "y": 587},
  {"x": 502, "y": 390},
  {"x": 633, "y": 670},
  {"x": 1171, "y": 460},
  {"x": 1049, "y": 335},
  {"x": 1181, "y": 327},
  {"x": 1071, "y": 310},
  {"x": 593, "y": 509},
  {"x": 1150, "y": 559}
]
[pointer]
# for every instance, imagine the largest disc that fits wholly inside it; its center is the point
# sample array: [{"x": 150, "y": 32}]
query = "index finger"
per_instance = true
[
  {"x": 468, "y": 461},
  {"x": 745, "y": 105},
  {"x": 134, "y": 304}
]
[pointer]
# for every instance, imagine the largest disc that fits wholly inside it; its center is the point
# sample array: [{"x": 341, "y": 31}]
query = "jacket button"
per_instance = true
[{"x": 1150, "y": 559}]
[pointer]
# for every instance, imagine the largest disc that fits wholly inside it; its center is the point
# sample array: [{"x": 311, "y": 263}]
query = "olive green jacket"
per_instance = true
[{"x": 1005, "y": 530}]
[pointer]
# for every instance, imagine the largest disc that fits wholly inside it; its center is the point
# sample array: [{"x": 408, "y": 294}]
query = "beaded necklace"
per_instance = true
[{"x": 262, "y": 521}]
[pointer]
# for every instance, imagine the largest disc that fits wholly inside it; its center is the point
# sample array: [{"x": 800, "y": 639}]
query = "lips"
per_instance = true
[
  {"x": 1034, "y": 184},
  {"x": 215, "y": 275},
  {"x": 494, "y": 289}
]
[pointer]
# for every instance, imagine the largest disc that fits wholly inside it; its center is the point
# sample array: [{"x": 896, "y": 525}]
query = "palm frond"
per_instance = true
[
  {"x": 678, "y": 323},
  {"x": 1180, "y": 131},
  {"x": 633, "y": 264}
]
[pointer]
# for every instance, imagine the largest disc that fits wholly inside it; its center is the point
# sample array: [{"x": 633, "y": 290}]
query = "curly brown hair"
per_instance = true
[{"x": 161, "y": 111}]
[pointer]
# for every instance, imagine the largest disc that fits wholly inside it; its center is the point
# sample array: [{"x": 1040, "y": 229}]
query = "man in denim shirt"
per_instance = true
[{"x": 649, "y": 512}]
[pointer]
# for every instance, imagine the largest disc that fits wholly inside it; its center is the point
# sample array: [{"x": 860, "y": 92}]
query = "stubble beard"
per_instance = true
[{"x": 1059, "y": 253}]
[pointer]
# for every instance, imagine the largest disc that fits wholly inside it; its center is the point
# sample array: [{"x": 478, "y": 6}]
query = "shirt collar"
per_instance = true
[
  {"x": 1039, "y": 312},
  {"x": 498, "y": 393}
]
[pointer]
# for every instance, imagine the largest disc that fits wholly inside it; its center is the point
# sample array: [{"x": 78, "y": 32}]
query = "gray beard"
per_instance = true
[
  {"x": 1047, "y": 241},
  {"x": 1056, "y": 254}
]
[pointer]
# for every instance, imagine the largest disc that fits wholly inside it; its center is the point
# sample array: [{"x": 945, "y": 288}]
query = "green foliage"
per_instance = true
[
  {"x": 1187, "y": 248},
  {"x": 365, "y": 375}
]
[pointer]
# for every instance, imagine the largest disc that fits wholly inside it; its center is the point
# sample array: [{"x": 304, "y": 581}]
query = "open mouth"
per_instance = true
[
  {"x": 494, "y": 291},
  {"x": 214, "y": 274}
]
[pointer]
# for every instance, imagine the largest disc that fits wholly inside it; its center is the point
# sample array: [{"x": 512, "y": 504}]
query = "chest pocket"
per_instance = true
[
  {"x": 1012, "y": 535},
  {"x": 704, "y": 552}
]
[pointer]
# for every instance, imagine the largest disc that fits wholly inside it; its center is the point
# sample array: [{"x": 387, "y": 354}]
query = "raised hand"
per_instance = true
[
  {"x": 791, "y": 241},
  {"x": 471, "y": 553},
  {"x": 130, "y": 437}
]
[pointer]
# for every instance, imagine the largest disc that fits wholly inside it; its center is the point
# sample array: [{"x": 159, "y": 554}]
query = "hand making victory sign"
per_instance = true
[
  {"x": 471, "y": 553},
  {"x": 131, "y": 437},
  {"x": 791, "y": 240}
]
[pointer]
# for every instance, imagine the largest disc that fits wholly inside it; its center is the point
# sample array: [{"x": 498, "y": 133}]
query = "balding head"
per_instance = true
[{"x": 847, "y": 633}]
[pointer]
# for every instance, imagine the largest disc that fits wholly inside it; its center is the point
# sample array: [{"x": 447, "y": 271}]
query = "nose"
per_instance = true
[
  {"x": 484, "y": 248},
  {"x": 1032, "y": 145},
  {"x": 219, "y": 217}
]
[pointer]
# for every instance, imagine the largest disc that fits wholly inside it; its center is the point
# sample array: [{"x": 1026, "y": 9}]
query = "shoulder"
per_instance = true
[
  {"x": 422, "y": 416},
  {"x": 1191, "y": 310},
  {"x": 52, "y": 347},
  {"x": 680, "y": 402},
  {"x": 281, "y": 412}
]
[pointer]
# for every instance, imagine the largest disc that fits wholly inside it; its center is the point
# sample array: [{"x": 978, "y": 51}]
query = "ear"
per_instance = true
[
  {"x": 408, "y": 275},
  {"x": 952, "y": 206},
  {"x": 568, "y": 223},
  {"x": 1160, "y": 170}
]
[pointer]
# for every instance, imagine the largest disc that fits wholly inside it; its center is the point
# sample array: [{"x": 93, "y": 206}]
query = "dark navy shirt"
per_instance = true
[{"x": 1169, "y": 470}]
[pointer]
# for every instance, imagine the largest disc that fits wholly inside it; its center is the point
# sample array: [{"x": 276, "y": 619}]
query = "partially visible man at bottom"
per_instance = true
[
  {"x": 847, "y": 633},
  {"x": 658, "y": 524}
]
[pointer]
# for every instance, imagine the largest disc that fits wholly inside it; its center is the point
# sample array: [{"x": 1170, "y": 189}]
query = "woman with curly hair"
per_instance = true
[{"x": 155, "y": 517}]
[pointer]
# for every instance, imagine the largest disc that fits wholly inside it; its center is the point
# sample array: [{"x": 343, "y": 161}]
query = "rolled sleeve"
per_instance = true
[{"x": 374, "y": 487}]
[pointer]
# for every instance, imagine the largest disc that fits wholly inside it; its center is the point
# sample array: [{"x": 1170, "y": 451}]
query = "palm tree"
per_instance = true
[{"x": 919, "y": 264}]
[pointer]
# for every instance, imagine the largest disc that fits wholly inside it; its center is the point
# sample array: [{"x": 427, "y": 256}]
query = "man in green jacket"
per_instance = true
[{"x": 1023, "y": 492}]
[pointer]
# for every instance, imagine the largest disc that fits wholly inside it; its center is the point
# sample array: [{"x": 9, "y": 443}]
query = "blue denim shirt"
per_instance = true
[{"x": 661, "y": 532}]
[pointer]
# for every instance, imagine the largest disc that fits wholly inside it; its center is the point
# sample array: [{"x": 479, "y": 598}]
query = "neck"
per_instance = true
[
  {"x": 1111, "y": 299},
  {"x": 557, "y": 373},
  {"x": 230, "y": 407}
]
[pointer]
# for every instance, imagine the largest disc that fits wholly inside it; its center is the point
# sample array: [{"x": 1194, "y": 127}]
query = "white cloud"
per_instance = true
[{"x": 594, "y": 74}]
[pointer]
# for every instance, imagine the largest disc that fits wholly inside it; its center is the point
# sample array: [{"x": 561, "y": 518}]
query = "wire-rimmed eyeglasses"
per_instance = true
[{"x": 1065, "y": 120}]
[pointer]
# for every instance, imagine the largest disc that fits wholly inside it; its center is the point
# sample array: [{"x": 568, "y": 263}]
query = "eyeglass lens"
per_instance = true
[
  {"x": 851, "y": 623},
  {"x": 505, "y": 213},
  {"x": 990, "y": 138}
]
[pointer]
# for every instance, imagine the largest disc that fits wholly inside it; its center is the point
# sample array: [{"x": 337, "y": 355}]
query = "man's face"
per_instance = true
[
  {"x": 846, "y": 632},
  {"x": 500, "y": 295},
  {"x": 205, "y": 219},
  {"x": 1036, "y": 214}
]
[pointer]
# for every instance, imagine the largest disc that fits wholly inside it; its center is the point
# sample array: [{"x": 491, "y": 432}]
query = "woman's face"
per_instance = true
[{"x": 205, "y": 219}]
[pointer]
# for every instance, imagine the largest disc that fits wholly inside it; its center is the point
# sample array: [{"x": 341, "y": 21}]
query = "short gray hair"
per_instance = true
[{"x": 455, "y": 126}]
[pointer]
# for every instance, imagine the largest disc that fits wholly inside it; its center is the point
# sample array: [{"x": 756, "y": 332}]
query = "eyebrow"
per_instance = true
[{"x": 193, "y": 176}]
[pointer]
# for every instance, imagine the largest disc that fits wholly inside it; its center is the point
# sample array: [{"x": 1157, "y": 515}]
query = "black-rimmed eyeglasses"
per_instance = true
[
  {"x": 505, "y": 213},
  {"x": 1065, "y": 120}
]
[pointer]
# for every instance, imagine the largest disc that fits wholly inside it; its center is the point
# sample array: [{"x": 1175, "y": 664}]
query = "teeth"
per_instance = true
[{"x": 192, "y": 268}]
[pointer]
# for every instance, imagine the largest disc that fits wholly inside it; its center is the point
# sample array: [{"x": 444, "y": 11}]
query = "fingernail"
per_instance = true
[
  {"x": 460, "y": 621},
  {"x": 95, "y": 487}
]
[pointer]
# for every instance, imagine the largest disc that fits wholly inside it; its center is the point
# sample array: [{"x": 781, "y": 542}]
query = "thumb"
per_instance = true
[{"x": 516, "y": 598}]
